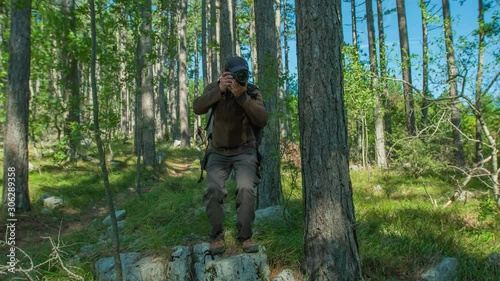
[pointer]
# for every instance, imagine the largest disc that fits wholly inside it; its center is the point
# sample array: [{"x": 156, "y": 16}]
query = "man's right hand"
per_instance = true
[{"x": 225, "y": 81}]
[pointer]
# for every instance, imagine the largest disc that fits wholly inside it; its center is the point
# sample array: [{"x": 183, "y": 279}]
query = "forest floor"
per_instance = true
[{"x": 400, "y": 231}]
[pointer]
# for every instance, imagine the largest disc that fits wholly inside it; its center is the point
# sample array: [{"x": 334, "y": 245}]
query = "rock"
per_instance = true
[
  {"x": 494, "y": 260},
  {"x": 177, "y": 143},
  {"x": 377, "y": 187},
  {"x": 53, "y": 202},
  {"x": 356, "y": 168},
  {"x": 465, "y": 195},
  {"x": 270, "y": 213},
  {"x": 201, "y": 257},
  {"x": 240, "y": 267},
  {"x": 160, "y": 157},
  {"x": 31, "y": 167},
  {"x": 135, "y": 268},
  {"x": 446, "y": 270},
  {"x": 120, "y": 225},
  {"x": 179, "y": 265},
  {"x": 285, "y": 275},
  {"x": 120, "y": 215}
]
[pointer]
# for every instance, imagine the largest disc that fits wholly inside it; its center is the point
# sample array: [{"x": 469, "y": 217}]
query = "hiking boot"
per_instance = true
[
  {"x": 249, "y": 246},
  {"x": 217, "y": 245}
]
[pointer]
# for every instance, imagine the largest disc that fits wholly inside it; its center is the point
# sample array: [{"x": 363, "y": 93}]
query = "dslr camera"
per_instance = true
[{"x": 241, "y": 76}]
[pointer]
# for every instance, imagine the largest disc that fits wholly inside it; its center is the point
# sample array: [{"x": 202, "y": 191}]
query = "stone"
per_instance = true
[
  {"x": 285, "y": 275},
  {"x": 446, "y": 270},
  {"x": 120, "y": 224},
  {"x": 239, "y": 267},
  {"x": 179, "y": 265},
  {"x": 271, "y": 213},
  {"x": 494, "y": 260},
  {"x": 177, "y": 143},
  {"x": 135, "y": 268},
  {"x": 53, "y": 202},
  {"x": 201, "y": 256},
  {"x": 31, "y": 167},
  {"x": 120, "y": 215}
]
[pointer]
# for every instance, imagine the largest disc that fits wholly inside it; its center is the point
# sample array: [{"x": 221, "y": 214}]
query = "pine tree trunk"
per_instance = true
[
  {"x": 15, "y": 164},
  {"x": 479, "y": 80},
  {"x": 183, "y": 81},
  {"x": 425, "y": 65},
  {"x": 204, "y": 56},
  {"x": 269, "y": 191},
  {"x": 214, "y": 39},
  {"x": 330, "y": 243},
  {"x": 383, "y": 71},
  {"x": 70, "y": 80},
  {"x": 380, "y": 152},
  {"x": 452, "y": 75},
  {"x": 253, "y": 46},
  {"x": 102, "y": 157},
  {"x": 147, "y": 95},
  {"x": 406, "y": 68}
]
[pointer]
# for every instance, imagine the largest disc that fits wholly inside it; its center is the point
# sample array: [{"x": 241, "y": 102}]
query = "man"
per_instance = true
[{"x": 237, "y": 110}]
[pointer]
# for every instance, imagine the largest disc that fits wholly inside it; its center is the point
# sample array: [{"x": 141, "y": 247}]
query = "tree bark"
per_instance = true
[
  {"x": 406, "y": 68},
  {"x": 380, "y": 152},
  {"x": 214, "y": 39},
  {"x": 70, "y": 80},
  {"x": 383, "y": 71},
  {"x": 15, "y": 163},
  {"x": 452, "y": 75},
  {"x": 226, "y": 31},
  {"x": 102, "y": 157},
  {"x": 147, "y": 95},
  {"x": 479, "y": 80},
  {"x": 204, "y": 43},
  {"x": 425, "y": 65},
  {"x": 269, "y": 191},
  {"x": 183, "y": 81},
  {"x": 253, "y": 46},
  {"x": 330, "y": 243}
]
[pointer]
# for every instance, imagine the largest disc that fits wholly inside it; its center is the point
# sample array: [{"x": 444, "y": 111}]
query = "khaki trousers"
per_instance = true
[{"x": 218, "y": 169}]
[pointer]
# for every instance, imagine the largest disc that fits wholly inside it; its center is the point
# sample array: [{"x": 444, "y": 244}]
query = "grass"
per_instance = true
[{"x": 400, "y": 232}]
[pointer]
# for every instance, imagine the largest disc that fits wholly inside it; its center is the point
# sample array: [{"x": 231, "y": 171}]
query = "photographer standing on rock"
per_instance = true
[{"x": 238, "y": 112}]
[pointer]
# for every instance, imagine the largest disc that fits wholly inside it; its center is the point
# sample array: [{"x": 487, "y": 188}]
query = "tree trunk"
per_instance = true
[
  {"x": 406, "y": 68},
  {"x": 479, "y": 80},
  {"x": 214, "y": 39},
  {"x": 15, "y": 163},
  {"x": 359, "y": 122},
  {"x": 425, "y": 65},
  {"x": 282, "y": 101},
  {"x": 253, "y": 46},
  {"x": 286, "y": 30},
  {"x": 70, "y": 80},
  {"x": 124, "y": 112},
  {"x": 452, "y": 75},
  {"x": 226, "y": 32},
  {"x": 330, "y": 243},
  {"x": 204, "y": 46},
  {"x": 383, "y": 71},
  {"x": 147, "y": 95},
  {"x": 380, "y": 152},
  {"x": 102, "y": 157},
  {"x": 183, "y": 81},
  {"x": 269, "y": 190}
]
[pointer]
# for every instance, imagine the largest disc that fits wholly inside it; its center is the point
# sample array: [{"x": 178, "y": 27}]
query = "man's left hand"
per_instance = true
[{"x": 237, "y": 89}]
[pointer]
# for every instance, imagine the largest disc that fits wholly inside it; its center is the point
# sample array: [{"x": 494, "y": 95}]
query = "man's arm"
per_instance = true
[
  {"x": 211, "y": 95},
  {"x": 254, "y": 108}
]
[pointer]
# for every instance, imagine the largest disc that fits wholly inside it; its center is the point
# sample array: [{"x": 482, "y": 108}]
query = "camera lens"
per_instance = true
[{"x": 241, "y": 76}]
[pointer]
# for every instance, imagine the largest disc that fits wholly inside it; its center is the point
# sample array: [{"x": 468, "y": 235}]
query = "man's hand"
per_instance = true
[
  {"x": 237, "y": 89},
  {"x": 225, "y": 81}
]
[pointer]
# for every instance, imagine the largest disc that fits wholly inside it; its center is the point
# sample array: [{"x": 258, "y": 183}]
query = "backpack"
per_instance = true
[{"x": 258, "y": 133}]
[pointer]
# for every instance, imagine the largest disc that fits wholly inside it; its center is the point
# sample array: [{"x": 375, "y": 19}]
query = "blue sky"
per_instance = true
[{"x": 464, "y": 16}]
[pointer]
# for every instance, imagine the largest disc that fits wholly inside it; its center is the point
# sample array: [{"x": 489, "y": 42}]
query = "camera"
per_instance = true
[{"x": 241, "y": 76}]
